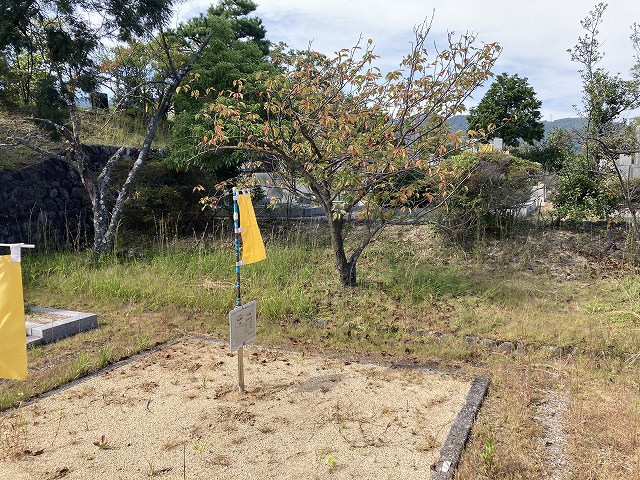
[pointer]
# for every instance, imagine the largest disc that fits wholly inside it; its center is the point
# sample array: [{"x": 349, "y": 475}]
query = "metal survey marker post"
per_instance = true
[
  {"x": 242, "y": 319},
  {"x": 242, "y": 330}
]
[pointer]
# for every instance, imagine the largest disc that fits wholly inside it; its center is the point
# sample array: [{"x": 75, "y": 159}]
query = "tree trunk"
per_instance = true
[
  {"x": 346, "y": 269},
  {"x": 107, "y": 220}
]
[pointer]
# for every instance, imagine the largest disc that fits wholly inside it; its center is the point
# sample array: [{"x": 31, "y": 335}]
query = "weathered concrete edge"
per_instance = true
[
  {"x": 451, "y": 451},
  {"x": 89, "y": 376},
  {"x": 74, "y": 323}
]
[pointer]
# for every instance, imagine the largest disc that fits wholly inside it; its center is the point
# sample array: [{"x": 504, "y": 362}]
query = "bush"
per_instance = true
[
  {"x": 164, "y": 201},
  {"x": 492, "y": 197},
  {"x": 583, "y": 191}
]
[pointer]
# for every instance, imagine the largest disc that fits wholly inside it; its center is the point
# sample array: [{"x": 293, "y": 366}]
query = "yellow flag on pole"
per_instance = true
[
  {"x": 13, "y": 336},
  {"x": 252, "y": 245}
]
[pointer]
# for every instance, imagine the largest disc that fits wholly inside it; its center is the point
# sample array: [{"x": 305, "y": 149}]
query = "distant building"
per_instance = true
[{"x": 629, "y": 165}]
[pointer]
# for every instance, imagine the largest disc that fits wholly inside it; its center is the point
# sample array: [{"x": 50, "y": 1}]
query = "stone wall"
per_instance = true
[{"x": 46, "y": 203}]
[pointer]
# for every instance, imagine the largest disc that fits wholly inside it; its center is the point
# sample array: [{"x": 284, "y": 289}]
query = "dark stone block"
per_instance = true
[
  {"x": 48, "y": 175},
  {"x": 77, "y": 192},
  {"x": 63, "y": 194}
]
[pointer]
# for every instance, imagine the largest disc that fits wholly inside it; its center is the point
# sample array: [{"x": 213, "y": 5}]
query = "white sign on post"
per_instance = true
[{"x": 242, "y": 325}]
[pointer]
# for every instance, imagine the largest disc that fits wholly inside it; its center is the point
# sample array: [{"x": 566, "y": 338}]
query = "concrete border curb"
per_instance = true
[
  {"x": 72, "y": 324},
  {"x": 89, "y": 376},
  {"x": 451, "y": 451}
]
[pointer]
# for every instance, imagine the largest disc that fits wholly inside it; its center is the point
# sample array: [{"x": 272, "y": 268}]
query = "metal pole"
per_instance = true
[
  {"x": 236, "y": 229},
  {"x": 240, "y": 370}
]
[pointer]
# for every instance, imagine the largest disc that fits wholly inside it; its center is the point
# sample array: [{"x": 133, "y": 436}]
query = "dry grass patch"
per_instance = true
[
  {"x": 14, "y": 125},
  {"x": 604, "y": 419},
  {"x": 505, "y": 437}
]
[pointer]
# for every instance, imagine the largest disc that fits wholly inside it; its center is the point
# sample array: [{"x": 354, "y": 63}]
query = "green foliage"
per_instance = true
[
  {"x": 585, "y": 187},
  {"x": 21, "y": 72},
  {"x": 498, "y": 185},
  {"x": 164, "y": 200},
  {"x": 553, "y": 153},
  {"x": 62, "y": 36},
  {"x": 488, "y": 457},
  {"x": 237, "y": 50},
  {"x": 49, "y": 105},
  {"x": 511, "y": 105},
  {"x": 424, "y": 282},
  {"x": 129, "y": 68},
  {"x": 584, "y": 190}
]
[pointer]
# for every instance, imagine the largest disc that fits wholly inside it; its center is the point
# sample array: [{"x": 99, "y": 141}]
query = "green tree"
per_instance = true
[
  {"x": 69, "y": 44},
  {"x": 339, "y": 128},
  {"x": 67, "y": 33},
  {"x": 511, "y": 105},
  {"x": 238, "y": 50},
  {"x": 583, "y": 192},
  {"x": 21, "y": 73},
  {"x": 606, "y": 98},
  {"x": 552, "y": 153},
  {"x": 129, "y": 74}
]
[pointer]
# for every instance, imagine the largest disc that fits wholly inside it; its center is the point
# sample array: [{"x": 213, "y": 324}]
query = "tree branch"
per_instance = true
[{"x": 35, "y": 148}]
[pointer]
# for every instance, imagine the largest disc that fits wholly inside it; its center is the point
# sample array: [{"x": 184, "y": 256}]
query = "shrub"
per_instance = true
[{"x": 497, "y": 187}]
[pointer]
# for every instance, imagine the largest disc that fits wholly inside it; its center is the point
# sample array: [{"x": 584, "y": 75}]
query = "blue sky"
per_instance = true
[{"x": 535, "y": 35}]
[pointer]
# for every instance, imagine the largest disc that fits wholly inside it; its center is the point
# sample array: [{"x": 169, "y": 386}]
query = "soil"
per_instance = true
[{"x": 176, "y": 413}]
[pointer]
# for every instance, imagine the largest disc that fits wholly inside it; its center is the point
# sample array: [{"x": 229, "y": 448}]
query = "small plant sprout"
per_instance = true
[
  {"x": 488, "y": 456},
  {"x": 102, "y": 444},
  {"x": 104, "y": 356},
  {"x": 151, "y": 470},
  {"x": 13, "y": 435},
  {"x": 61, "y": 415},
  {"x": 331, "y": 461},
  {"x": 198, "y": 446}
]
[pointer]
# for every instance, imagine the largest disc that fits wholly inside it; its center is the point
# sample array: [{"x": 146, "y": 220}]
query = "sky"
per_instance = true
[{"x": 534, "y": 35}]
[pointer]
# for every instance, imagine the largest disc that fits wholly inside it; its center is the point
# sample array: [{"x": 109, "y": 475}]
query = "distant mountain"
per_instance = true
[
  {"x": 569, "y": 124},
  {"x": 459, "y": 122}
]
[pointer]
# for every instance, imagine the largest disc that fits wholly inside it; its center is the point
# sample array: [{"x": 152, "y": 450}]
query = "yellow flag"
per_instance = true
[
  {"x": 13, "y": 336},
  {"x": 252, "y": 245}
]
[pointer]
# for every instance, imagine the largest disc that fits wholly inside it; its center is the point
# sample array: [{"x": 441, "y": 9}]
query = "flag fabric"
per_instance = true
[
  {"x": 252, "y": 245},
  {"x": 13, "y": 337}
]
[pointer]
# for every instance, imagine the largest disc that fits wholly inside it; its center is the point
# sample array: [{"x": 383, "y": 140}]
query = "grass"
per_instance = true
[
  {"x": 119, "y": 129},
  {"x": 416, "y": 301},
  {"x": 95, "y": 129}
]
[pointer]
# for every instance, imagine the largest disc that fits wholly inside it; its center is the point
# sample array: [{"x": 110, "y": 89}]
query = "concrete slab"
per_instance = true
[{"x": 64, "y": 324}]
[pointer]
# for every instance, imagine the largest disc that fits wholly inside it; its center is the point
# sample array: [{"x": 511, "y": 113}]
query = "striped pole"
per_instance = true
[{"x": 236, "y": 229}]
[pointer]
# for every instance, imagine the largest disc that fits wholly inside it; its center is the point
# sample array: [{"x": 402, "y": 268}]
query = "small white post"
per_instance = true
[{"x": 16, "y": 250}]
